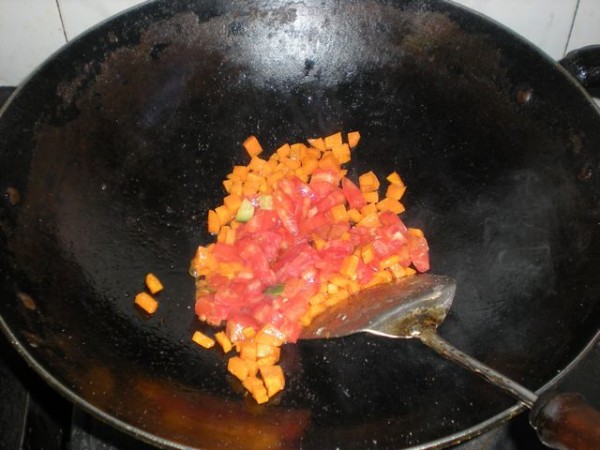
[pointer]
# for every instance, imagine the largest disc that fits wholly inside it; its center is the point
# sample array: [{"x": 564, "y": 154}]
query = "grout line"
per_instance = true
[
  {"x": 62, "y": 22},
  {"x": 570, "y": 29}
]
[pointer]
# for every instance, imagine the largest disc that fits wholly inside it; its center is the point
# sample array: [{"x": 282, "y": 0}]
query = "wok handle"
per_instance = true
[
  {"x": 565, "y": 421},
  {"x": 584, "y": 64}
]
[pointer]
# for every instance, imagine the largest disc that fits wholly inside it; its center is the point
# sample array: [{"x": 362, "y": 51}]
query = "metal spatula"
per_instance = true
[{"x": 413, "y": 308}]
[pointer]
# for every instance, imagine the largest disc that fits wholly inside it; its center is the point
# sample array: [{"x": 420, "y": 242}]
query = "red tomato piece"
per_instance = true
[
  {"x": 419, "y": 252},
  {"x": 335, "y": 197},
  {"x": 353, "y": 194}
]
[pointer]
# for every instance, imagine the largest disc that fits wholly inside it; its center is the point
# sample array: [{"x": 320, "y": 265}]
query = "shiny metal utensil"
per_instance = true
[{"x": 413, "y": 308}]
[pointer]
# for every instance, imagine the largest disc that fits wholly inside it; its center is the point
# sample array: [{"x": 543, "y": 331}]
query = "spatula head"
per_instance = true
[{"x": 399, "y": 309}]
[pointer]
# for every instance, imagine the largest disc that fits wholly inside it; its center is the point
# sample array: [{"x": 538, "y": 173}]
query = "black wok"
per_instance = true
[{"x": 113, "y": 151}]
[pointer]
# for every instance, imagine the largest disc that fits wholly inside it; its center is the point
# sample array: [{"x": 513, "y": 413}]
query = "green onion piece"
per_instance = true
[
  {"x": 246, "y": 211},
  {"x": 276, "y": 289},
  {"x": 265, "y": 201}
]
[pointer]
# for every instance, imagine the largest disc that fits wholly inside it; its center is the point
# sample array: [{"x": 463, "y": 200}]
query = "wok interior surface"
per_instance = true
[{"x": 115, "y": 149}]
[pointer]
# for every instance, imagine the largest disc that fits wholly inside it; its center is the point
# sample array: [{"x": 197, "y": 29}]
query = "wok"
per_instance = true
[{"x": 115, "y": 148}]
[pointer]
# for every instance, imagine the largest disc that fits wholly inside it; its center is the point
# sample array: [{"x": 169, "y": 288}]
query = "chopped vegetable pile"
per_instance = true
[{"x": 294, "y": 236}]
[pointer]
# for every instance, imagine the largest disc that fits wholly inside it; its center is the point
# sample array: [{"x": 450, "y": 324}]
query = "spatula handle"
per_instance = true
[{"x": 566, "y": 421}]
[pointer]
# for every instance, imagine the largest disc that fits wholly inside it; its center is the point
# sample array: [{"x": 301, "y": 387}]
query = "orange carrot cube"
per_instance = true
[
  {"x": 252, "y": 146},
  {"x": 273, "y": 379},
  {"x": 353, "y": 138},
  {"x": 153, "y": 283},
  {"x": 237, "y": 367},
  {"x": 203, "y": 340},
  {"x": 146, "y": 302},
  {"x": 224, "y": 341}
]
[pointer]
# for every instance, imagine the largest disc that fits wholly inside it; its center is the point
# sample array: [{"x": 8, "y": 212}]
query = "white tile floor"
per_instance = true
[{"x": 30, "y": 30}]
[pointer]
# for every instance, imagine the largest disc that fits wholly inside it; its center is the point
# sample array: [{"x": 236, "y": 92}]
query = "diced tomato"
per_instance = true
[
  {"x": 296, "y": 261},
  {"x": 254, "y": 257},
  {"x": 419, "y": 252},
  {"x": 291, "y": 249},
  {"x": 226, "y": 253},
  {"x": 335, "y": 197},
  {"x": 263, "y": 220},
  {"x": 321, "y": 189},
  {"x": 208, "y": 309},
  {"x": 325, "y": 175},
  {"x": 309, "y": 225},
  {"x": 353, "y": 194},
  {"x": 236, "y": 322}
]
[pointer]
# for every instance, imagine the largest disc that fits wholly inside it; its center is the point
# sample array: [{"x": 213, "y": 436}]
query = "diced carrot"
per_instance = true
[
  {"x": 203, "y": 340},
  {"x": 269, "y": 335},
  {"x": 232, "y": 202},
  {"x": 224, "y": 214},
  {"x": 397, "y": 270},
  {"x": 394, "y": 178},
  {"x": 389, "y": 261},
  {"x": 146, "y": 302},
  {"x": 329, "y": 161},
  {"x": 227, "y": 184},
  {"x": 257, "y": 388},
  {"x": 292, "y": 164},
  {"x": 296, "y": 150},
  {"x": 252, "y": 146},
  {"x": 230, "y": 235},
  {"x": 213, "y": 222},
  {"x": 283, "y": 151},
  {"x": 315, "y": 310},
  {"x": 368, "y": 209},
  {"x": 312, "y": 153},
  {"x": 224, "y": 341},
  {"x": 252, "y": 367},
  {"x": 236, "y": 188},
  {"x": 248, "y": 351},
  {"x": 237, "y": 367},
  {"x": 339, "y": 213},
  {"x": 265, "y": 350},
  {"x": 318, "y": 143},
  {"x": 349, "y": 266},
  {"x": 257, "y": 164},
  {"x": 416, "y": 232},
  {"x": 368, "y": 182},
  {"x": 273, "y": 379},
  {"x": 316, "y": 299},
  {"x": 353, "y": 138},
  {"x": 153, "y": 283},
  {"x": 309, "y": 165},
  {"x": 249, "y": 332},
  {"x": 339, "y": 281},
  {"x": 395, "y": 191},
  {"x": 389, "y": 204},
  {"x": 370, "y": 220},
  {"x": 367, "y": 254},
  {"x": 334, "y": 299},
  {"x": 223, "y": 233},
  {"x": 342, "y": 153},
  {"x": 239, "y": 173},
  {"x": 267, "y": 361},
  {"x": 371, "y": 197},
  {"x": 354, "y": 215},
  {"x": 333, "y": 140}
]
